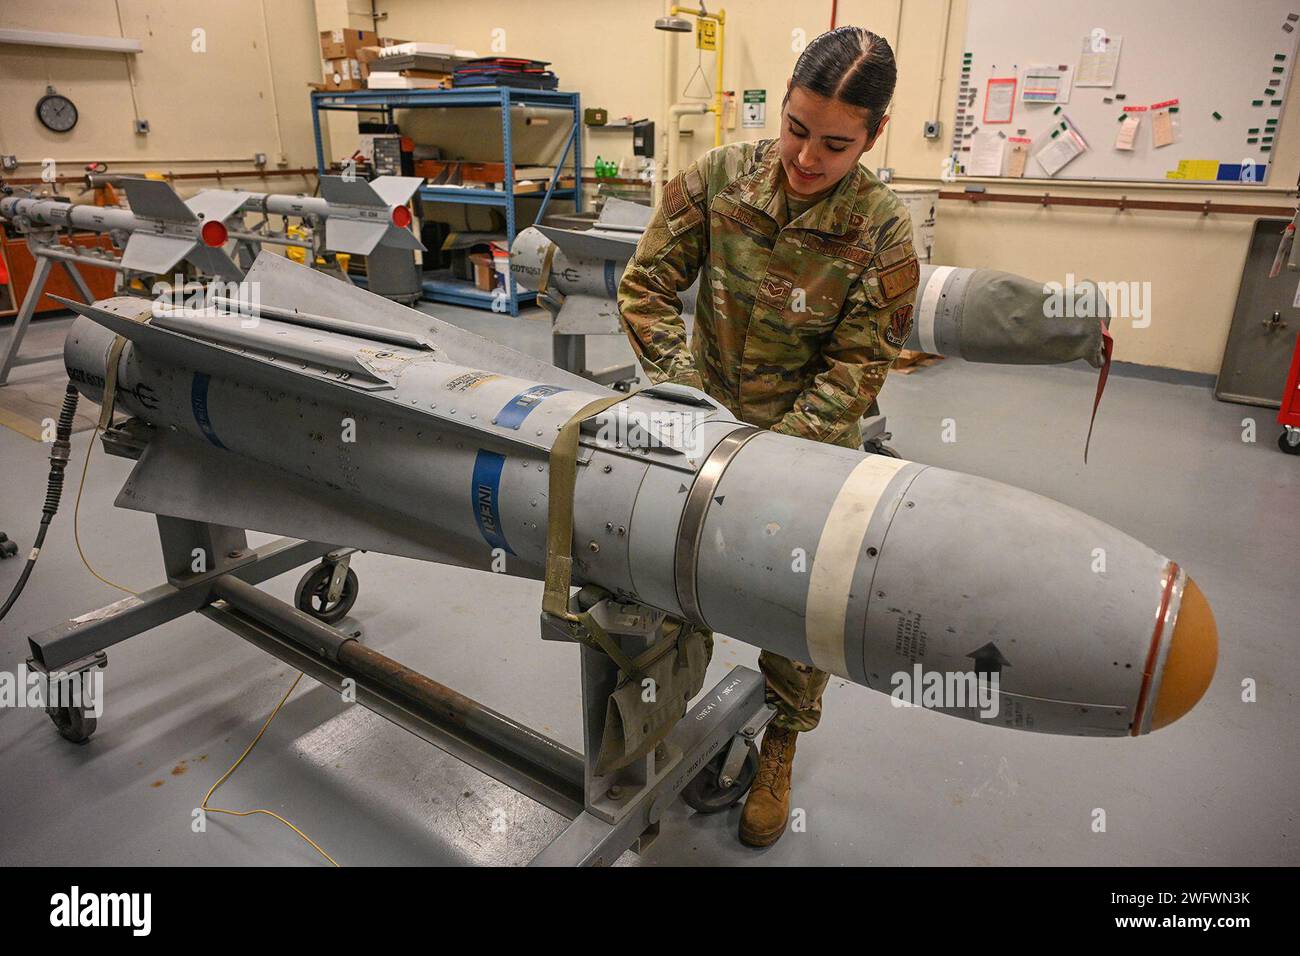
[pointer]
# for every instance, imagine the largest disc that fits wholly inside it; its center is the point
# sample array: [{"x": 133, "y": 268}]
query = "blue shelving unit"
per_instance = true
[{"x": 491, "y": 97}]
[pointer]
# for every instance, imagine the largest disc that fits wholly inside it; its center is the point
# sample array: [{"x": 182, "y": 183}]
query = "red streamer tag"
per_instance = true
[{"x": 1108, "y": 351}]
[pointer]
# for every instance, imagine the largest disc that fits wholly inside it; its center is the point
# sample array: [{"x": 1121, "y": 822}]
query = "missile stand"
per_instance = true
[
  {"x": 709, "y": 755},
  {"x": 46, "y": 250}
]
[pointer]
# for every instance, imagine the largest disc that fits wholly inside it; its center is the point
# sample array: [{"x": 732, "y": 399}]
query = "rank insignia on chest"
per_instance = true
[{"x": 774, "y": 290}]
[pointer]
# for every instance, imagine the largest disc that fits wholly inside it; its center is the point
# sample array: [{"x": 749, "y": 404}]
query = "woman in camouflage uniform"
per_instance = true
[{"x": 807, "y": 282}]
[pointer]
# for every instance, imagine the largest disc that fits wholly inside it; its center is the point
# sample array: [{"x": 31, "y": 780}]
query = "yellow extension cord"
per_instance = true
[{"x": 76, "y": 536}]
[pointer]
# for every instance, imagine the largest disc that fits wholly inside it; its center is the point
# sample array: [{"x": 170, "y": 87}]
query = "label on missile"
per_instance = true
[
  {"x": 486, "y": 486},
  {"x": 517, "y": 409},
  {"x": 467, "y": 380}
]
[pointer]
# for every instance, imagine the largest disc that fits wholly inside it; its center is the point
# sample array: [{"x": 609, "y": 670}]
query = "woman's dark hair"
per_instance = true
[{"x": 849, "y": 64}]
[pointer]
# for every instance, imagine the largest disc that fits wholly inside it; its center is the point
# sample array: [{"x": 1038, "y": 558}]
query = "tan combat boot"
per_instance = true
[{"x": 767, "y": 810}]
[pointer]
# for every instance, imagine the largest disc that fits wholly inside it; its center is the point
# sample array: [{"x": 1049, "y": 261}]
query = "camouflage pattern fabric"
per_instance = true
[{"x": 796, "y": 324}]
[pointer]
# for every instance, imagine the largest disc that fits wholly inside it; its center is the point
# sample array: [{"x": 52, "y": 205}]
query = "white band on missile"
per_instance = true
[
  {"x": 930, "y": 307},
  {"x": 836, "y": 560}
]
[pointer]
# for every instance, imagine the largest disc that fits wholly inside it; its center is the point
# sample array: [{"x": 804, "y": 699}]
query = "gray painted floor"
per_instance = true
[{"x": 879, "y": 785}]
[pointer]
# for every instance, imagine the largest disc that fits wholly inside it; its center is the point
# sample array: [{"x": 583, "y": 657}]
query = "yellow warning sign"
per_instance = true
[{"x": 706, "y": 34}]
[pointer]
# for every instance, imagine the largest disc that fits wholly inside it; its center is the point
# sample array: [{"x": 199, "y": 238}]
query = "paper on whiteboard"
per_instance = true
[
  {"x": 1128, "y": 131},
  {"x": 986, "y": 154},
  {"x": 1062, "y": 144},
  {"x": 1047, "y": 84},
  {"x": 1000, "y": 100},
  {"x": 1162, "y": 128},
  {"x": 1018, "y": 152},
  {"x": 1097, "y": 67}
]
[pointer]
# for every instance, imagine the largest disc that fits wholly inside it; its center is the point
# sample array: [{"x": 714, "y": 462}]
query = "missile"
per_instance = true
[
  {"x": 162, "y": 229},
  {"x": 866, "y": 566},
  {"x": 358, "y": 215},
  {"x": 979, "y": 315},
  {"x": 983, "y": 315},
  {"x": 586, "y": 266}
]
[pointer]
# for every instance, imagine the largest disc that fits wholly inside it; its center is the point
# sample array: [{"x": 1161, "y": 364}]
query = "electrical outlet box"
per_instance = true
[
  {"x": 142, "y": 127},
  {"x": 932, "y": 129},
  {"x": 8, "y": 162}
]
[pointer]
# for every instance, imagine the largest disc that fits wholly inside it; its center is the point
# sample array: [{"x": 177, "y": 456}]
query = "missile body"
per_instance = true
[
  {"x": 358, "y": 215},
  {"x": 983, "y": 315},
  {"x": 864, "y": 565},
  {"x": 980, "y": 315},
  {"x": 162, "y": 230}
]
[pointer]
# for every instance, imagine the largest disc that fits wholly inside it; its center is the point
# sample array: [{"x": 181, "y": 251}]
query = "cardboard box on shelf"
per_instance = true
[
  {"x": 342, "y": 44},
  {"x": 342, "y": 74},
  {"x": 484, "y": 271}
]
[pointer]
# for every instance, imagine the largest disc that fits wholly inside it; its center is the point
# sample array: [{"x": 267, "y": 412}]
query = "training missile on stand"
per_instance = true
[
  {"x": 980, "y": 315},
  {"x": 983, "y": 315},
  {"x": 907, "y": 565},
  {"x": 162, "y": 230},
  {"x": 358, "y": 215}
]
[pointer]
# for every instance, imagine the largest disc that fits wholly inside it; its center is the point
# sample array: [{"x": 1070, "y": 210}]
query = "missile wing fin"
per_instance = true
[
  {"x": 396, "y": 190},
  {"x": 218, "y": 204},
  {"x": 351, "y": 236},
  {"x": 181, "y": 476},
  {"x": 155, "y": 199},
  {"x": 155, "y": 254},
  {"x": 622, "y": 212},
  {"x": 355, "y": 192},
  {"x": 588, "y": 315},
  {"x": 324, "y": 385},
  {"x": 584, "y": 244},
  {"x": 286, "y": 284},
  {"x": 215, "y": 262}
]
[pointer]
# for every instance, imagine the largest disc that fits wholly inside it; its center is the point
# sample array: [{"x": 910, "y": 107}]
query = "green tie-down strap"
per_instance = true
[
  {"x": 559, "y": 536},
  {"x": 642, "y": 710},
  {"x": 654, "y": 689}
]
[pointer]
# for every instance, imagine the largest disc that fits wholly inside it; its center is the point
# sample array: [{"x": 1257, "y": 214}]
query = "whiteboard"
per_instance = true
[{"x": 1201, "y": 56}]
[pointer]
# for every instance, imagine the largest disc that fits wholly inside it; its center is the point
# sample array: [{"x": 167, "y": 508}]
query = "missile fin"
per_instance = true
[
  {"x": 356, "y": 192},
  {"x": 623, "y": 212},
  {"x": 155, "y": 254},
  {"x": 357, "y": 238},
  {"x": 219, "y": 204},
  {"x": 215, "y": 262},
  {"x": 401, "y": 238},
  {"x": 184, "y": 477},
  {"x": 286, "y": 284},
  {"x": 155, "y": 199},
  {"x": 588, "y": 315},
  {"x": 226, "y": 362},
  {"x": 584, "y": 244},
  {"x": 396, "y": 190}
]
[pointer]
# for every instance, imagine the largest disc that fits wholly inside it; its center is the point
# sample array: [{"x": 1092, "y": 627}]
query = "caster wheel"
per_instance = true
[
  {"x": 312, "y": 596},
  {"x": 1289, "y": 441},
  {"x": 703, "y": 795},
  {"x": 72, "y": 723}
]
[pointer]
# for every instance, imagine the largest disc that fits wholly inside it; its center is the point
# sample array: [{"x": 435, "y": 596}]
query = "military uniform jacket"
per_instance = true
[{"x": 795, "y": 325}]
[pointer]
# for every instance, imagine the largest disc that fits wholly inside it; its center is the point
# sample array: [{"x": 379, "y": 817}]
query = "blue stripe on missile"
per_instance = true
[
  {"x": 199, "y": 405},
  {"x": 487, "y": 498},
  {"x": 610, "y": 288},
  {"x": 517, "y": 409}
]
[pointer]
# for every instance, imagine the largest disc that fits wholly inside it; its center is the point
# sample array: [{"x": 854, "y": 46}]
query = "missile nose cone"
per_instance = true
[{"x": 1193, "y": 653}]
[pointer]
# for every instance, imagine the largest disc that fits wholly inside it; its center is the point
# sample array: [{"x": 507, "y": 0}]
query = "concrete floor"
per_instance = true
[{"x": 879, "y": 785}]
